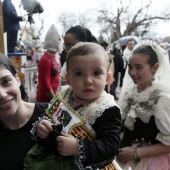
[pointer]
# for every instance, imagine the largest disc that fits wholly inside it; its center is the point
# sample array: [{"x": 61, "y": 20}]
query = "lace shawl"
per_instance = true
[
  {"x": 152, "y": 101},
  {"x": 92, "y": 111}
]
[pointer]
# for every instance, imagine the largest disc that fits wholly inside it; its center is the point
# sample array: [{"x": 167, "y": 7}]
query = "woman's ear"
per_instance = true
[{"x": 67, "y": 79}]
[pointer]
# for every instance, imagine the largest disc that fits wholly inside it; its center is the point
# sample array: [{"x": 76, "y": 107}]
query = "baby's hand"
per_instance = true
[
  {"x": 67, "y": 145},
  {"x": 43, "y": 129}
]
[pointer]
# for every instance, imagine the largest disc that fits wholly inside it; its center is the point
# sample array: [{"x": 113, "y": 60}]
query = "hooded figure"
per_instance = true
[
  {"x": 53, "y": 40},
  {"x": 49, "y": 66}
]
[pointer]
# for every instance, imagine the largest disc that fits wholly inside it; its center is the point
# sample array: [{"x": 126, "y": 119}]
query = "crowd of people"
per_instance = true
[{"x": 78, "y": 120}]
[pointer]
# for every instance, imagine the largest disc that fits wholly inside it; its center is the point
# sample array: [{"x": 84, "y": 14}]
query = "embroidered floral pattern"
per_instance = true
[{"x": 141, "y": 105}]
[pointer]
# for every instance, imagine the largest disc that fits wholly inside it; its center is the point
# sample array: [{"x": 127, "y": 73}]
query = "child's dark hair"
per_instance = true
[
  {"x": 86, "y": 48},
  {"x": 147, "y": 51},
  {"x": 6, "y": 63}
]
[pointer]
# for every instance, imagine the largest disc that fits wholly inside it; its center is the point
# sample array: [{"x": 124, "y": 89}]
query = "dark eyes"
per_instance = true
[
  {"x": 6, "y": 82},
  {"x": 78, "y": 74},
  {"x": 97, "y": 73}
]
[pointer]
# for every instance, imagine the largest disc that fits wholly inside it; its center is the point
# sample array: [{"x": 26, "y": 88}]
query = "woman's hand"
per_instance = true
[
  {"x": 67, "y": 145},
  {"x": 125, "y": 154}
]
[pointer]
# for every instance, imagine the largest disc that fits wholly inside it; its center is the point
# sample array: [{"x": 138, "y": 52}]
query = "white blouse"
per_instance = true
[{"x": 154, "y": 100}]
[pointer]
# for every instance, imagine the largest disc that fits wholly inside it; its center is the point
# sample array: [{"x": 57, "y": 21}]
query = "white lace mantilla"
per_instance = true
[
  {"x": 141, "y": 105},
  {"x": 93, "y": 110}
]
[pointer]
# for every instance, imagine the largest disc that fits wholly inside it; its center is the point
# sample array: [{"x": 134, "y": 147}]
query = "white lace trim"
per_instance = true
[
  {"x": 141, "y": 105},
  {"x": 163, "y": 138},
  {"x": 34, "y": 126},
  {"x": 95, "y": 109}
]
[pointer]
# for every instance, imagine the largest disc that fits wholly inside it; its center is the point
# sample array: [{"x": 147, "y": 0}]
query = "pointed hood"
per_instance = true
[{"x": 53, "y": 40}]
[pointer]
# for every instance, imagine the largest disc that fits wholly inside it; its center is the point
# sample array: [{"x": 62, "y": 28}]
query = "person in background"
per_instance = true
[
  {"x": 17, "y": 118},
  {"x": 36, "y": 58},
  {"x": 93, "y": 142},
  {"x": 163, "y": 45},
  {"x": 77, "y": 34},
  {"x": 49, "y": 66},
  {"x": 18, "y": 48},
  {"x": 63, "y": 57},
  {"x": 105, "y": 45},
  {"x": 11, "y": 24},
  {"x": 38, "y": 54},
  {"x": 144, "y": 100},
  {"x": 32, "y": 53},
  {"x": 126, "y": 54},
  {"x": 119, "y": 66},
  {"x": 72, "y": 36},
  {"x": 128, "y": 51}
]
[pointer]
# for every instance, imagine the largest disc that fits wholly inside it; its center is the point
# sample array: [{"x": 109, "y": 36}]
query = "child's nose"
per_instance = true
[{"x": 88, "y": 80}]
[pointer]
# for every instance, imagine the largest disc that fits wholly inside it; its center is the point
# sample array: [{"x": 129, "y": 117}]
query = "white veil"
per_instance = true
[{"x": 162, "y": 75}]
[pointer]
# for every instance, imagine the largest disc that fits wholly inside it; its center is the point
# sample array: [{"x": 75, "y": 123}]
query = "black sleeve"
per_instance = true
[{"x": 107, "y": 142}]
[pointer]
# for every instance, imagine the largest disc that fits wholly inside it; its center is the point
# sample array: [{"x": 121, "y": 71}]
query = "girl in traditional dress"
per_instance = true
[{"x": 145, "y": 104}]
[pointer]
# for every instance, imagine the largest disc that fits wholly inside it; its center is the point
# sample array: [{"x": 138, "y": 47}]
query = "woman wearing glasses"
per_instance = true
[{"x": 72, "y": 36}]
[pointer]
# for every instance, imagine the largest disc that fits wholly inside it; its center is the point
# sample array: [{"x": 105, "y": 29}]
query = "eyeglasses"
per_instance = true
[{"x": 67, "y": 47}]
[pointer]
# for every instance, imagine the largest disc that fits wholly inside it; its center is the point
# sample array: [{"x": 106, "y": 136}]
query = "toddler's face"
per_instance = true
[{"x": 87, "y": 75}]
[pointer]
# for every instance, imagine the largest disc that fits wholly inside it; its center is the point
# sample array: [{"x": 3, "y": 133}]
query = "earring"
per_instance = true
[{"x": 153, "y": 75}]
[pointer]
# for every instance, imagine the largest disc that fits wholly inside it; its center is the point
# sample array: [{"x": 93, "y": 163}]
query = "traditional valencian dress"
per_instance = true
[
  {"x": 97, "y": 127},
  {"x": 146, "y": 118}
]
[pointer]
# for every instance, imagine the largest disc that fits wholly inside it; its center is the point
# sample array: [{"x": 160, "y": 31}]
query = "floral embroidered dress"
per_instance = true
[{"x": 146, "y": 118}]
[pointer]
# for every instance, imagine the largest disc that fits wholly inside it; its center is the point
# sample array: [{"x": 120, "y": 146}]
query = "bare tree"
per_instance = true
[
  {"x": 41, "y": 28},
  {"x": 68, "y": 20},
  {"x": 135, "y": 22}
]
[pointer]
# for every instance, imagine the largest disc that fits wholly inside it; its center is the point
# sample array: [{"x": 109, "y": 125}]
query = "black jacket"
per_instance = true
[{"x": 107, "y": 142}]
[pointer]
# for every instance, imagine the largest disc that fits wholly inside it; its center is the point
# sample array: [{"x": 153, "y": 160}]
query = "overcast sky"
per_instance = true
[{"x": 52, "y": 9}]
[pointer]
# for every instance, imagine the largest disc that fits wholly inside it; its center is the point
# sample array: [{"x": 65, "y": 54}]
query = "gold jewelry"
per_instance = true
[
  {"x": 153, "y": 73},
  {"x": 135, "y": 156}
]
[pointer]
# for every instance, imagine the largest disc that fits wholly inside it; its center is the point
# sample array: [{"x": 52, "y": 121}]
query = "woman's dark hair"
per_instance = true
[
  {"x": 104, "y": 44},
  {"x": 82, "y": 34},
  {"x": 147, "y": 50},
  {"x": 6, "y": 63}
]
